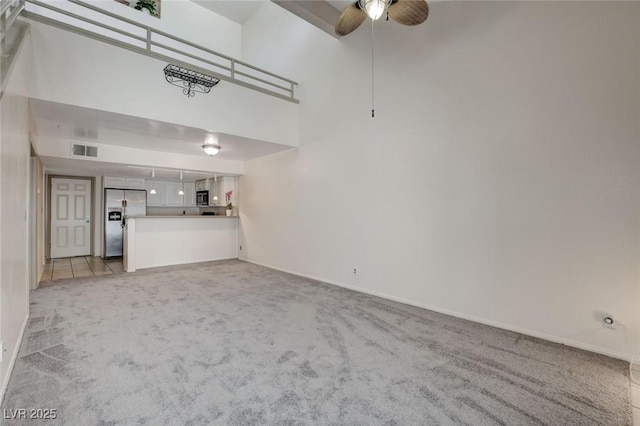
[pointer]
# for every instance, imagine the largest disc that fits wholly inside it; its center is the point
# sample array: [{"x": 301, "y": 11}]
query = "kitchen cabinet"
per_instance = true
[
  {"x": 226, "y": 184},
  {"x": 201, "y": 185},
  {"x": 122, "y": 182},
  {"x": 167, "y": 194},
  {"x": 217, "y": 187},
  {"x": 113, "y": 182},
  {"x": 214, "y": 191},
  {"x": 154, "y": 199},
  {"x": 172, "y": 195},
  {"x": 189, "y": 194},
  {"x": 134, "y": 183}
]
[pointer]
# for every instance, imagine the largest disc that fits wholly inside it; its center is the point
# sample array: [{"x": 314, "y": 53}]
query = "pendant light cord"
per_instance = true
[{"x": 373, "y": 114}]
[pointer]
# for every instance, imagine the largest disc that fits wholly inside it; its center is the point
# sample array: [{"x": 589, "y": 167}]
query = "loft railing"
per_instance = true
[
  {"x": 9, "y": 12},
  {"x": 91, "y": 21}
]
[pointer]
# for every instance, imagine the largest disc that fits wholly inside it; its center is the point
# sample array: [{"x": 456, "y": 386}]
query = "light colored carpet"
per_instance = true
[{"x": 233, "y": 343}]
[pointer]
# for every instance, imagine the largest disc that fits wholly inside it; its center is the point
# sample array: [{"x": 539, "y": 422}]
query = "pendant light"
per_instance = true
[
  {"x": 215, "y": 187},
  {"x": 153, "y": 175},
  {"x": 181, "y": 192}
]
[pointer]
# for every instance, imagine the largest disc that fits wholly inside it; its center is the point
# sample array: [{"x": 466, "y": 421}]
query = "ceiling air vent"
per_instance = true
[
  {"x": 78, "y": 150},
  {"x": 92, "y": 151}
]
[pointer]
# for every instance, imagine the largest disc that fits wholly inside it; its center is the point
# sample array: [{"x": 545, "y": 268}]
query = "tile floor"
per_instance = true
[
  {"x": 635, "y": 394},
  {"x": 80, "y": 267}
]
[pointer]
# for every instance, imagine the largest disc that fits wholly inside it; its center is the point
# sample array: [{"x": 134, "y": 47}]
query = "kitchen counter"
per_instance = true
[
  {"x": 188, "y": 216},
  {"x": 152, "y": 241}
]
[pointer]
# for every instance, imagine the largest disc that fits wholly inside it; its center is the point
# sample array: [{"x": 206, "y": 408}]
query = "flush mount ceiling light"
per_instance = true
[
  {"x": 211, "y": 146},
  {"x": 190, "y": 81}
]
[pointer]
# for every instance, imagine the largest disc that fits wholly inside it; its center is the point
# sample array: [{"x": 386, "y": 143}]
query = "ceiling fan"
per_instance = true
[{"x": 405, "y": 12}]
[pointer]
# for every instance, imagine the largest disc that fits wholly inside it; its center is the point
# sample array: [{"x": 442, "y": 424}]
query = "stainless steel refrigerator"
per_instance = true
[{"x": 120, "y": 204}]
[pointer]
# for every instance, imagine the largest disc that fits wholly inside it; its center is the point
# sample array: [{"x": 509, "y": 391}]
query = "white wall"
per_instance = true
[
  {"x": 76, "y": 70},
  {"x": 160, "y": 241},
  {"x": 14, "y": 237},
  {"x": 499, "y": 180}
]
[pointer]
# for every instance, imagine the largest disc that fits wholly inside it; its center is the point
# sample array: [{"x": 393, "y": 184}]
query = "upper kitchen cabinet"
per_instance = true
[
  {"x": 172, "y": 196},
  {"x": 114, "y": 182},
  {"x": 217, "y": 187},
  {"x": 167, "y": 194},
  {"x": 155, "y": 191},
  {"x": 215, "y": 199},
  {"x": 226, "y": 184},
  {"x": 189, "y": 194},
  {"x": 124, "y": 183},
  {"x": 134, "y": 183},
  {"x": 201, "y": 185}
]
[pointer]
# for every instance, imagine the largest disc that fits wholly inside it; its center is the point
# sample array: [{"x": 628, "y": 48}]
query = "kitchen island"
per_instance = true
[{"x": 152, "y": 241}]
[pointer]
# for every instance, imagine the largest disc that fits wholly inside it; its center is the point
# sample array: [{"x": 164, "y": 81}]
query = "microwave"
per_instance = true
[{"x": 202, "y": 198}]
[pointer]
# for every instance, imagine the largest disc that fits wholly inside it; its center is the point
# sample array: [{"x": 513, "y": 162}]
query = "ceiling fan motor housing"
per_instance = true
[{"x": 374, "y": 8}]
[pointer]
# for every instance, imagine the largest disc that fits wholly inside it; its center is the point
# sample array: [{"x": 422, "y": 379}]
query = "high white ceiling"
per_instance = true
[
  {"x": 236, "y": 10},
  {"x": 340, "y": 4},
  {"x": 240, "y": 10}
]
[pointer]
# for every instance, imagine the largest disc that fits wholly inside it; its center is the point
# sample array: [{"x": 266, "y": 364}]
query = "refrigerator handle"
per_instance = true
[{"x": 124, "y": 214}]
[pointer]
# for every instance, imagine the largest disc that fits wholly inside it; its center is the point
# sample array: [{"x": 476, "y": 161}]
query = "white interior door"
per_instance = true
[{"x": 70, "y": 217}]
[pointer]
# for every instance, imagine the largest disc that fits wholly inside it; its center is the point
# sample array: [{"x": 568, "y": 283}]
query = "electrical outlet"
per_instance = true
[
  {"x": 608, "y": 321},
  {"x": 240, "y": 247},
  {"x": 355, "y": 271}
]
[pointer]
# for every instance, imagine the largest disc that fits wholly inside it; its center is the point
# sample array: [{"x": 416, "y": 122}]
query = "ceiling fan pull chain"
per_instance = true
[{"x": 373, "y": 114}]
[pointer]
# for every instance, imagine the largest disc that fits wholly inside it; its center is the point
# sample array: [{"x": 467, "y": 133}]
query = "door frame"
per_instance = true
[
  {"x": 34, "y": 279},
  {"x": 47, "y": 245}
]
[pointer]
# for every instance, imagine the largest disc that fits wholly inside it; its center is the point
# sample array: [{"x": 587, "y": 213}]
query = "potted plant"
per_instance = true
[
  {"x": 150, "y": 5},
  {"x": 227, "y": 197}
]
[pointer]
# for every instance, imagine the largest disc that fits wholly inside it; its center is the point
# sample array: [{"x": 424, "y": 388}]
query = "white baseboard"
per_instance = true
[
  {"x": 508, "y": 327},
  {"x": 14, "y": 356}
]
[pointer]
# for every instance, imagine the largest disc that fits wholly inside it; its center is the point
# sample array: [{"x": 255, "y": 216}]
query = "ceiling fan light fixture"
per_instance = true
[{"x": 373, "y": 8}]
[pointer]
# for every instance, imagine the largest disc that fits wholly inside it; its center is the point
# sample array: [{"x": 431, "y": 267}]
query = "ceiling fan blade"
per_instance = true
[
  {"x": 351, "y": 18},
  {"x": 409, "y": 12}
]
